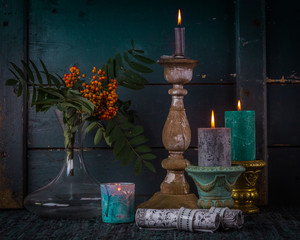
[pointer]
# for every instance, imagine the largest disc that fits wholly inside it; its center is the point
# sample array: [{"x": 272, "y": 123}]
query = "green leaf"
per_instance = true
[
  {"x": 107, "y": 140},
  {"x": 37, "y": 72},
  {"x": 118, "y": 146},
  {"x": 143, "y": 149},
  {"x": 150, "y": 166},
  {"x": 135, "y": 131},
  {"x": 46, "y": 72},
  {"x": 125, "y": 83},
  {"x": 33, "y": 99},
  {"x": 11, "y": 82},
  {"x": 110, "y": 68},
  {"x": 125, "y": 125},
  {"x": 144, "y": 59},
  {"x": 119, "y": 62},
  {"x": 148, "y": 156},
  {"x": 138, "y": 166},
  {"x": 52, "y": 92},
  {"x": 126, "y": 57},
  {"x": 123, "y": 153},
  {"x": 139, "y": 51},
  {"x": 109, "y": 127},
  {"x": 98, "y": 136},
  {"x": 48, "y": 101},
  {"x": 139, "y": 67},
  {"x": 20, "y": 72},
  {"x": 14, "y": 74},
  {"x": 138, "y": 140},
  {"x": 136, "y": 78},
  {"x": 20, "y": 89},
  {"x": 55, "y": 80},
  {"x": 28, "y": 70},
  {"x": 132, "y": 43},
  {"x": 115, "y": 134},
  {"x": 68, "y": 104},
  {"x": 128, "y": 159},
  {"x": 91, "y": 127}
]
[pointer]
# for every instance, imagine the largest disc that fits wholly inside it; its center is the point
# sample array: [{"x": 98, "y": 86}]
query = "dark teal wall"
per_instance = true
[{"x": 87, "y": 33}]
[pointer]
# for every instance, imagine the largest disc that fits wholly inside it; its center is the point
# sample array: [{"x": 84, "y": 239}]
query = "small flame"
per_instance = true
[
  {"x": 239, "y": 107},
  {"x": 179, "y": 18},
  {"x": 119, "y": 189},
  {"x": 212, "y": 119}
]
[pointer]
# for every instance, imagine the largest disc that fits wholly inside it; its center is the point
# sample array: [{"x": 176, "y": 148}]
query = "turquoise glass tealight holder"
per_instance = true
[
  {"x": 215, "y": 184},
  {"x": 117, "y": 202}
]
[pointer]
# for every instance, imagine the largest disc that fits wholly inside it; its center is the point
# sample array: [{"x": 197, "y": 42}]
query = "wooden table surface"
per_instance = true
[{"x": 271, "y": 223}]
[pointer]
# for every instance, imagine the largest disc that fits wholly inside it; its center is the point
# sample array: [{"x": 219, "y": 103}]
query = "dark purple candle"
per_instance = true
[{"x": 179, "y": 38}]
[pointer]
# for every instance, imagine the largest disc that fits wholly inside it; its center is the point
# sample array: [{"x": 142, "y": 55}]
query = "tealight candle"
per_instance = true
[
  {"x": 117, "y": 202},
  {"x": 242, "y": 124},
  {"x": 214, "y": 146},
  {"x": 179, "y": 37}
]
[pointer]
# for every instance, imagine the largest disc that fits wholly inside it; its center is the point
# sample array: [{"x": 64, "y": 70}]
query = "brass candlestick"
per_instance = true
[{"x": 176, "y": 138}]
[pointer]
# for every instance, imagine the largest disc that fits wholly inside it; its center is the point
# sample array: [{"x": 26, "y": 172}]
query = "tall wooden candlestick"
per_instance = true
[{"x": 176, "y": 138}]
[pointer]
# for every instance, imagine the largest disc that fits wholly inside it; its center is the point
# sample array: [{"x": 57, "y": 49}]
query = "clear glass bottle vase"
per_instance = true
[{"x": 73, "y": 193}]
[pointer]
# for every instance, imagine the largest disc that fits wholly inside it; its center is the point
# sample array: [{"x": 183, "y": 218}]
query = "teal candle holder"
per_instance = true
[
  {"x": 117, "y": 202},
  {"x": 215, "y": 184}
]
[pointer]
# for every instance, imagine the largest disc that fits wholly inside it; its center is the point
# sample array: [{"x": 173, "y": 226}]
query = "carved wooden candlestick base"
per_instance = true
[{"x": 176, "y": 138}]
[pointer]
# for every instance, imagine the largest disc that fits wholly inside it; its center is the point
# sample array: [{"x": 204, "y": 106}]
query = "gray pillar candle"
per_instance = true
[{"x": 214, "y": 148}]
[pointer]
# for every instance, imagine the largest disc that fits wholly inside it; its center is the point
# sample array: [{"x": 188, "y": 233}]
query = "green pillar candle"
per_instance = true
[{"x": 242, "y": 124}]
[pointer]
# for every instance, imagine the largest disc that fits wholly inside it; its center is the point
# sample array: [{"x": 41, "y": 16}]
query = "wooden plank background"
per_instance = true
[{"x": 87, "y": 33}]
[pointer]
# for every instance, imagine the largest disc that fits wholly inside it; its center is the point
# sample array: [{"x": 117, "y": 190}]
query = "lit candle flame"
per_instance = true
[
  {"x": 212, "y": 119},
  {"x": 239, "y": 107},
  {"x": 119, "y": 189},
  {"x": 179, "y": 18}
]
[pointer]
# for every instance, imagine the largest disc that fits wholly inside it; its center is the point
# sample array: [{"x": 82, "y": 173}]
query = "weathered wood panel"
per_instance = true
[
  {"x": 283, "y": 34},
  {"x": 152, "y": 105},
  {"x": 251, "y": 74},
  {"x": 283, "y": 115},
  {"x": 284, "y": 173},
  {"x": 89, "y": 32},
  {"x": 12, "y": 123}
]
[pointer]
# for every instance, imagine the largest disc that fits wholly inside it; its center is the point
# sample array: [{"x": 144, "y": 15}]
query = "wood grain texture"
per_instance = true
[
  {"x": 89, "y": 32},
  {"x": 283, "y": 115},
  {"x": 283, "y": 33},
  {"x": 251, "y": 74},
  {"x": 12, "y": 114}
]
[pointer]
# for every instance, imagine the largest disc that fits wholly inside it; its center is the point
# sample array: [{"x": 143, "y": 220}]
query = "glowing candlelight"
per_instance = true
[
  {"x": 179, "y": 18},
  {"x": 212, "y": 119},
  {"x": 239, "y": 107}
]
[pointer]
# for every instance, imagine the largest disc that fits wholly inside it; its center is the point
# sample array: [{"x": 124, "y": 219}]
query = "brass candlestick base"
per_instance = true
[
  {"x": 244, "y": 192},
  {"x": 176, "y": 138}
]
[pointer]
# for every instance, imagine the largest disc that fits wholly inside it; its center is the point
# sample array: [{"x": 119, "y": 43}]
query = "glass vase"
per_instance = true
[{"x": 73, "y": 193}]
